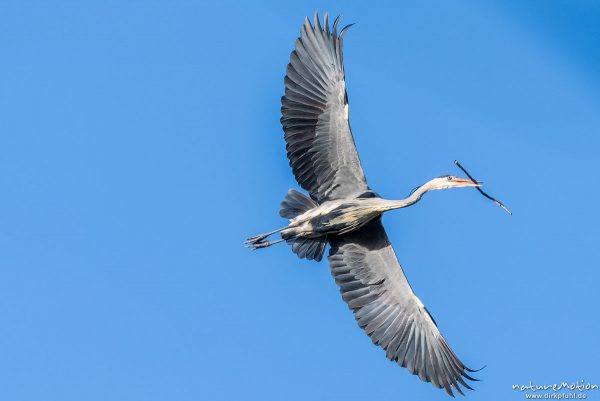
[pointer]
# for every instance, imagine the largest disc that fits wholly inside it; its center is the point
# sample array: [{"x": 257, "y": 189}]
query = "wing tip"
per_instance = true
[
  {"x": 325, "y": 28},
  {"x": 475, "y": 370},
  {"x": 345, "y": 29}
]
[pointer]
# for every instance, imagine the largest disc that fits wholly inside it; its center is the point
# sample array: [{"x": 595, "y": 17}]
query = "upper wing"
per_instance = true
[
  {"x": 373, "y": 285},
  {"x": 315, "y": 116}
]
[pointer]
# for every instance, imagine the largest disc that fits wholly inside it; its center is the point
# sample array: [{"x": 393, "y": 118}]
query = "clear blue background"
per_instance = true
[{"x": 140, "y": 144}]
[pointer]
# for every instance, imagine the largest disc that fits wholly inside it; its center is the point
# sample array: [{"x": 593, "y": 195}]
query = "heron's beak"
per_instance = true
[{"x": 465, "y": 182}]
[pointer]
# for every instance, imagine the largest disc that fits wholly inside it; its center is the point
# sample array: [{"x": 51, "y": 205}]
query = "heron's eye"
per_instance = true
[{"x": 449, "y": 178}]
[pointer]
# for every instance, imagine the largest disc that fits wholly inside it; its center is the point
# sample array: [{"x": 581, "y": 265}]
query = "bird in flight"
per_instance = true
[{"x": 343, "y": 211}]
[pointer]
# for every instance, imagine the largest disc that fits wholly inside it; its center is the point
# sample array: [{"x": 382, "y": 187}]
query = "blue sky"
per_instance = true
[{"x": 140, "y": 145}]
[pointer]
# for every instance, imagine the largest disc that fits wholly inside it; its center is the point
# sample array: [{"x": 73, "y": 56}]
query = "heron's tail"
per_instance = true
[{"x": 293, "y": 205}]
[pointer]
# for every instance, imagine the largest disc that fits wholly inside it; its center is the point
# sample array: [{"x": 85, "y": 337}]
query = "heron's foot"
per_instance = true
[
  {"x": 260, "y": 244},
  {"x": 255, "y": 239},
  {"x": 254, "y": 245}
]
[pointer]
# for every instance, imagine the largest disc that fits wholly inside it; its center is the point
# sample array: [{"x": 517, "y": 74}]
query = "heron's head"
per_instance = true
[{"x": 450, "y": 181}]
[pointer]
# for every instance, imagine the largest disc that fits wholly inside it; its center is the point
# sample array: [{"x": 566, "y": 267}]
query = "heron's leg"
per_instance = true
[{"x": 259, "y": 238}]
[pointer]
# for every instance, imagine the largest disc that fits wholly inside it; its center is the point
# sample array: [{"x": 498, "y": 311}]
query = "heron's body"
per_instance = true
[
  {"x": 335, "y": 217},
  {"x": 344, "y": 212}
]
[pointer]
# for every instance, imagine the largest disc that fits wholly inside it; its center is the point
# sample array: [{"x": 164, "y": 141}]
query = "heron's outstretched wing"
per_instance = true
[
  {"x": 314, "y": 111},
  {"x": 373, "y": 285}
]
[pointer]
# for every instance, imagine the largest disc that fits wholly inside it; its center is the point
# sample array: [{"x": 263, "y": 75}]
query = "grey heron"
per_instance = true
[{"x": 343, "y": 211}]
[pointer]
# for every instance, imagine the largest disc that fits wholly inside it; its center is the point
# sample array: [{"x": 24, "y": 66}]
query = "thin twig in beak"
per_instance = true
[{"x": 496, "y": 201}]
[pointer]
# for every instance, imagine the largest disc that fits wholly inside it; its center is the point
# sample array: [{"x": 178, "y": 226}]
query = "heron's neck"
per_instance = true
[{"x": 409, "y": 200}]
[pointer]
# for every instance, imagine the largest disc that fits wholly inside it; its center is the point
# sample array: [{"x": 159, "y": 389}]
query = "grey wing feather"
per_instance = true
[
  {"x": 314, "y": 109},
  {"x": 373, "y": 285}
]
